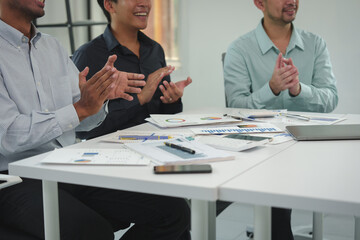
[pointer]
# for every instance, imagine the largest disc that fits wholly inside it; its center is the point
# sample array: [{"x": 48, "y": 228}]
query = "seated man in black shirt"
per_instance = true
[{"x": 136, "y": 53}]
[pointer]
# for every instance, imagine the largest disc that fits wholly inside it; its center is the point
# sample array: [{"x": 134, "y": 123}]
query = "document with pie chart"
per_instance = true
[{"x": 179, "y": 120}]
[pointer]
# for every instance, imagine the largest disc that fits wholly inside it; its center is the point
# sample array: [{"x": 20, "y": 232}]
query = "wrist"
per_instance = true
[
  {"x": 80, "y": 111},
  {"x": 295, "y": 93},
  {"x": 273, "y": 89},
  {"x": 141, "y": 99}
]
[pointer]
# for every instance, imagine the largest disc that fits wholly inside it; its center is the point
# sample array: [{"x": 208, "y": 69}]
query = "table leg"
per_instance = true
[
  {"x": 357, "y": 228},
  {"x": 262, "y": 225},
  {"x": 51, "y": 210},
  {"x": 317, "y": 226},
  {"x": 203, "y": 220}
]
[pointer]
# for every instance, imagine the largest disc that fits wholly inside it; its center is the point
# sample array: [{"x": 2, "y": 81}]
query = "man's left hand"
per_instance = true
[{"x": 172, "y": 92}]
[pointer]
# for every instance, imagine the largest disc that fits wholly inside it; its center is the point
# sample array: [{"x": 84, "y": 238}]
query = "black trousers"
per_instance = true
[
  {"x": 92, "y": 213},
  {"x": 280, "y": 221}
]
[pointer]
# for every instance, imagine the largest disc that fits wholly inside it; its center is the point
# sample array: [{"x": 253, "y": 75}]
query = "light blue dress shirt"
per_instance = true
[
  {"x": 38, "y": 86},
  {"x": 250, "y": 62}
]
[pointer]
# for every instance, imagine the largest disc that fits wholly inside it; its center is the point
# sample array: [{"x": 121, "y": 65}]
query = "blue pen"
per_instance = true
[
  {"x": 139, "y": 137},
  {"x": 149, "y": 136}
]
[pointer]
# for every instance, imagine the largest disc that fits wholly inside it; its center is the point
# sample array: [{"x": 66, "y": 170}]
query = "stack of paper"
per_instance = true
[{"x": 180, "y": 120}]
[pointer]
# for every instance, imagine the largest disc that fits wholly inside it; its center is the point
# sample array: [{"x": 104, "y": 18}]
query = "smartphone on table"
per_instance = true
[{"x": 193, "y": 168}]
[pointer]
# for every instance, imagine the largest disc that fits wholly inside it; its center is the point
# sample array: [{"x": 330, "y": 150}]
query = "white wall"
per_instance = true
[
  {"x": 209, "y": 26},
  {"x": 213, "y": 25}
]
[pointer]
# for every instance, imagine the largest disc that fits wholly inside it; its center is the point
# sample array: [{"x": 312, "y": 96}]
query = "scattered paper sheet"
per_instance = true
[
  {"x": 162, "y": 154},
  {"x": 240, "y": 128},
  {"x": 180, "y": 120},
  {"x": 119, "y": 156},
  {"x": 141, "y": 136},
  {"x": 249, "y": 114}
]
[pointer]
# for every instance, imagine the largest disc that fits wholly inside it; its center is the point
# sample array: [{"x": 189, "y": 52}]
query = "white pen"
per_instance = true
[{"x": 297, "y": 116}]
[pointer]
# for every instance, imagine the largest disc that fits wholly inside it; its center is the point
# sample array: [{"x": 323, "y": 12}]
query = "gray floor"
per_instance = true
[{"x": 232, "y": 223}]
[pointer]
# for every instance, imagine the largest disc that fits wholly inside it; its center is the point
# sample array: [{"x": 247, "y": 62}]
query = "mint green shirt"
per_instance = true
[{"x": 250, "y": 62}]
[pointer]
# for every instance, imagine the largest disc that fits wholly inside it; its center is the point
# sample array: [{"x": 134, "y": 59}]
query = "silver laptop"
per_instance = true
[{"x": 325, "y": 132}]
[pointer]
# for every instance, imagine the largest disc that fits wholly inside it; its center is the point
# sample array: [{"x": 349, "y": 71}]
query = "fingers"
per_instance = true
[
  {"x": 136, "y": 83},
  {"x": 171, "y": 93},
  {"x": 188, "y": 81},
  {"x": 135, "y": 76},
  {"x": 133, "y": 90},
  {"x": 111, "y": 60},
  {"x": 288, "y": 61},
  {"x": 160, "y": 73},
  {"x": 126, "y": 96},
  {"x": 100, "y": 85},
  {"x": 106, "y": 69},
  {"x": 279, "y": 61},
  {"x": 184, "y": 83},
  {"x": 82, "y": 76},
  {"x": 133, "y": 86}
]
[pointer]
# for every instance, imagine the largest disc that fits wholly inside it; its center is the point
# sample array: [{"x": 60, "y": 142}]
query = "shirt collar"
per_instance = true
[
  {"x": 266, "y": 44},
  {"x": 15, "y": 37},
  {"x": 112, "y": 42}
]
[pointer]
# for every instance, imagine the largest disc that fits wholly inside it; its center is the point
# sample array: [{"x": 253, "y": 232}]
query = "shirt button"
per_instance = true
[
  {"x": 46, "y": 110},
  {"x": 70, "y": 126},
  {"x": 24, "y": 39}
]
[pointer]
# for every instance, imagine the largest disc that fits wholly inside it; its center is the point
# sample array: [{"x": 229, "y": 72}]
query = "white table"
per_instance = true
[
  {"x": 321, "y": 176},
  {"x": 201, "y": 188}
]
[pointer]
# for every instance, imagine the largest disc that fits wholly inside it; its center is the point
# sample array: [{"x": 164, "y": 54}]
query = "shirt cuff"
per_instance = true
[
  {"x": 106, "y": 107},
  {"x": 266, "y": 94},
  {"x": 67, "y": 118},
  {"x": 306, "y": 92}
]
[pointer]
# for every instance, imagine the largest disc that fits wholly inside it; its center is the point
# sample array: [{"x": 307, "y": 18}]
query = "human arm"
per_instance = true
[
  {"x": 152, "y": 84},
  {"x": 245, "y": 85},
  {"x": 319, "y": 93}
]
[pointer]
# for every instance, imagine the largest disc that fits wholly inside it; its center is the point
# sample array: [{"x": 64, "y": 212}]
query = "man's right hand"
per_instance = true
[
  {"x": 152, "y": 84},
  {"x": 96, "y": 90},
  {"x": 284, "y": 76}
]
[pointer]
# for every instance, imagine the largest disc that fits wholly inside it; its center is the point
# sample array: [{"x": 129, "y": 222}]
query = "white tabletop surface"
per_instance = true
[
  {"x": 314, "y": 175},
  {"x": 141, "y": 178}
]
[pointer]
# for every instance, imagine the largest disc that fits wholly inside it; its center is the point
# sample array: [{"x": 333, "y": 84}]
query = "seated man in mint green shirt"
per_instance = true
[
  {"x": 252, "y": 65},
  {"x": 277, "y": 66}
]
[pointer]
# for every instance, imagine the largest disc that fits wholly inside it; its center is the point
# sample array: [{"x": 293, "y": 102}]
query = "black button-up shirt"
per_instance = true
[{"x": 122, "y": 113}]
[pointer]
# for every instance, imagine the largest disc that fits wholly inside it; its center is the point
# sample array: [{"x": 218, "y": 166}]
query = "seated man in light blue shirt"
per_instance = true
[
  {"x": 277, "y": 66},
  {"x": 258, "y": 76}
]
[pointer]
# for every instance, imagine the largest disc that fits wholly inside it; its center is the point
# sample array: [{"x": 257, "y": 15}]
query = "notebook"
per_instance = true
[{"x": 325, "y": 132}]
